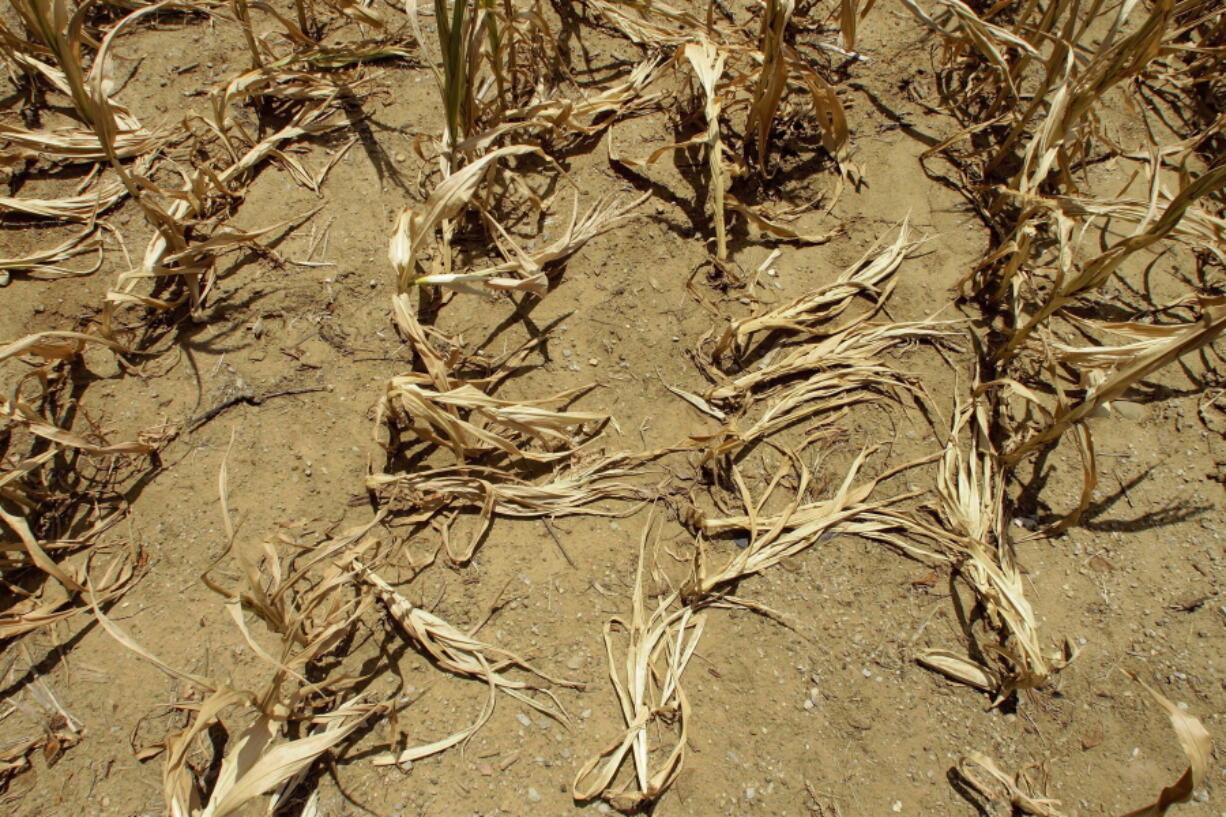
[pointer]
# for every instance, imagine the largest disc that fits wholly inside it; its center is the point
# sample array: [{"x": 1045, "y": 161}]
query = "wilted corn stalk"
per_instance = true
[
  {"x": 872, "y": 277},
  {"x": 470, "y": 423},
  {"x": 969, "y": 526},
  {"x": 311, "y": 605},
  {"x": 856, "y": 345},
  {"x": 731, "y": 72},
  {"x": 1095, "y": 272},
  {"x": 818, "y": 379},
  {"x": 824, "y": 395},
  {"x": 494, "y": 58},
  {"x": 38, "y": 446},
  {"x": 647, "y": 680},
  {"x": 459, "y": 38},
  {"x": 418, "y": 229},
  {"x": 1029, "y": 86},
  {"x": 771, "y": 84},
  {"x": 262, "y": 760},
  {"x": 708, "y": 63}
]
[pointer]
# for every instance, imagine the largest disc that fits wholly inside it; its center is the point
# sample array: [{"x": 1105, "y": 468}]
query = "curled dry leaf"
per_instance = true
[
  {"x": 646, "y": 674},
  {"x": 463, "y": 654},
  {"x": 416, "y": 227}
]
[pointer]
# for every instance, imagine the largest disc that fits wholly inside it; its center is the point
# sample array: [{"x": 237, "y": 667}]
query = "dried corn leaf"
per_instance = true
[
  {"x": 46, "y": 262},
  {"x": 82, "y": 145},
  {"x": 494, "y": 492},
  {"x": 871, "y": 276},
  {"x": 415, "y": 227},
  {"x": 460, "y": 653},
  {"x": 84, "y": 207},
  {"x": 1193, "y": 738},
  {"x": 649, "y": 22},
  {"x": 1197, "y": 746}
]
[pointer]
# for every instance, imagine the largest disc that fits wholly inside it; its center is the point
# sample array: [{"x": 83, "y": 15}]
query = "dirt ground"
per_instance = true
[{"x": 830, "y": 715}]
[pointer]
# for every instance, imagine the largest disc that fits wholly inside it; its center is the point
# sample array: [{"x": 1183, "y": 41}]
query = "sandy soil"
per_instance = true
[{"x": 831, "y": 716}]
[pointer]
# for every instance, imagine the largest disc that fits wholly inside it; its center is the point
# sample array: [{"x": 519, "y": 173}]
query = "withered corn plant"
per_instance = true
[
  {"x": 1029, "y": 84},
  {"x": 61, "y": 487},
  {"x": 647, "y": 653},
  {"x": 736, "y": 69},
  {"x": 310, "y": 703}
]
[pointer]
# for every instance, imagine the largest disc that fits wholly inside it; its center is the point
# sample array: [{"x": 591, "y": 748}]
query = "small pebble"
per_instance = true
[
  {"x": 591, "y": 361},
  {"x": 534, "y": 795},
  {"x": 575, "y": 662},
  {"x": 523, "y": 719},
  {"x": 751, "y": 793},
  {"x": 897, "y": 807}
]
